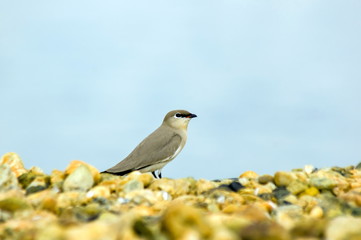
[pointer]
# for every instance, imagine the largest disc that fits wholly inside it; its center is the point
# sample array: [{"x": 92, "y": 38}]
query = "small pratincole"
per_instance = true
[{"x": 159, "y": 148}]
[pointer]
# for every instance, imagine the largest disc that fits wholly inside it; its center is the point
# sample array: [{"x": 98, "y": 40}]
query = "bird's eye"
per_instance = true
[{"x": 178, "y": 115}]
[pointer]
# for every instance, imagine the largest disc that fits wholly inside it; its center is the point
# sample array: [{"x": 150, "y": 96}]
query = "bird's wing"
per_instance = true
[{"x": 159, "y": 146}]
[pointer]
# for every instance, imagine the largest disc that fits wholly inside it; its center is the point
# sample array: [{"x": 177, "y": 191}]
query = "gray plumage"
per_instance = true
[{"x": 159, "y": 148}]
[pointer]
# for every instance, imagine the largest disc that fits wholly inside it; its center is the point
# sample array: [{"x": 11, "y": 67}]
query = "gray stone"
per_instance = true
[
  {"x": 264, "y": 179},
  {"x": 280, "y": 193},
  {"x": 283, "y": 179},
  {"x": 297, "y": 186},
  {"x": 323, "y": 183},
  {"x": 79, "y": 180},
  {"x": 8, "y": 179},
  {"x": 288, "y": 216},
  {"x": 344, "y": 227},
  {"x": 40, "y": 183},
  {"x": 133, "y": 185},
  {"x": 333, "y": 206}
]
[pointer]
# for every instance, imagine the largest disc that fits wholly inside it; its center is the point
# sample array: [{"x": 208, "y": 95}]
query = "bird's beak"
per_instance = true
[{"x": 191, "y": 115}]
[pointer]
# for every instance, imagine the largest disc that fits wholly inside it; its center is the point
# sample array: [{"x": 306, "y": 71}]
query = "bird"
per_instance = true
[{"x": 159, "y": 148}]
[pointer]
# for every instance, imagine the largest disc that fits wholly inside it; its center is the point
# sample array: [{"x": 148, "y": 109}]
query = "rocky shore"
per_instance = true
[{"x": 80, "y": 203}]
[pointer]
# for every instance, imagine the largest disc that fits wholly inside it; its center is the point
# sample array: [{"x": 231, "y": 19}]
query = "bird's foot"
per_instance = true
[{"x": 157, "y": 176}]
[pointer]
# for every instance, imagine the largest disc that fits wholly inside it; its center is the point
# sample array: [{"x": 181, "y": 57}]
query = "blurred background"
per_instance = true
[{"x": 276, "y": 85}]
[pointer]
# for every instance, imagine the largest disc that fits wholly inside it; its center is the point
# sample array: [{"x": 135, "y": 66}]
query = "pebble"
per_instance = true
[
  {"x": 264, "y": 230},
  {"x": 13, "y": 204},
  {"x": 88, "y": 212},
  {"x": 73, "y": 165},
  {"x": 264, "y": 179},
  {"x": 234, "y": 186},
  {"x": 311, "y": 191},
  {"x": 81, "y": 179},
  {"x": 316, "y": 212},
  {"x": 249, "y": 174},
  {"x": 283, "y": 179},
  {"x": 280, "y": 192},
  {"x": 45, "y": 200},
  {"x": 40, "y": 183},
  {"x": 57, "y": 178},
  {"x": 344, "y": 227},
  {"x": 52, "y": 231},
  {"x": 288, "y": 216},
  {"x": 297, "y": 186},
  {"x": 8, "y": 180},
  {"x": 305, "y": 203},
  {"x": 322, "y": 183},
  {"x": 133, "y": 185},
  {"x": 308, "y": 169},
  {"x": 180, "y": 220},
  {"x": 70, "y": 199},
  {"x": 14, "y": 161},
  {"x": 145, "y": 178},
  {"x": 175, "y": 187},
  {"x": 99, "y": 230},
  {"x": 98, "y": 192},
  {"x": 203, "y": 185},
  {"x": 36, "y": 170},
  {"x": 312, "y": 229}
]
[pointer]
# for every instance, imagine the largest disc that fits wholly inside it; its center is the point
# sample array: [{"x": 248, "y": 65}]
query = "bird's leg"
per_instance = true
[
  {"x": 159, "y": 174},
  {"x": 154, "y": 174}
]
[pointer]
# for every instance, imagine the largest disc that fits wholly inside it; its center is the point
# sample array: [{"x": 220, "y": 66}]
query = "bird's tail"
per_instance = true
[{"x": 118, "y": 173}]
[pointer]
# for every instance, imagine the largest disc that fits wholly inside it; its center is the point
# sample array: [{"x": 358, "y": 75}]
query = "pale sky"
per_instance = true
[{"x": 275, "y": 84}]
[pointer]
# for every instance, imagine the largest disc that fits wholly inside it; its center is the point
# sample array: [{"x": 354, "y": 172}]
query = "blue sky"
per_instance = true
[{"x": 275, "y": 84}]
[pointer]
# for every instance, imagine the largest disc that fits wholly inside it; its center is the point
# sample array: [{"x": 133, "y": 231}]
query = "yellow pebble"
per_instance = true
[
  {"x": 316, "y": 212},
  {"x": 312, "y": 191},
  {"x": 249, "y": 174}
]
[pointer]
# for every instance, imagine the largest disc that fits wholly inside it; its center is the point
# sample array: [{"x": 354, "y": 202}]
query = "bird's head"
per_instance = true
[{"x": 178, "y": 119}]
